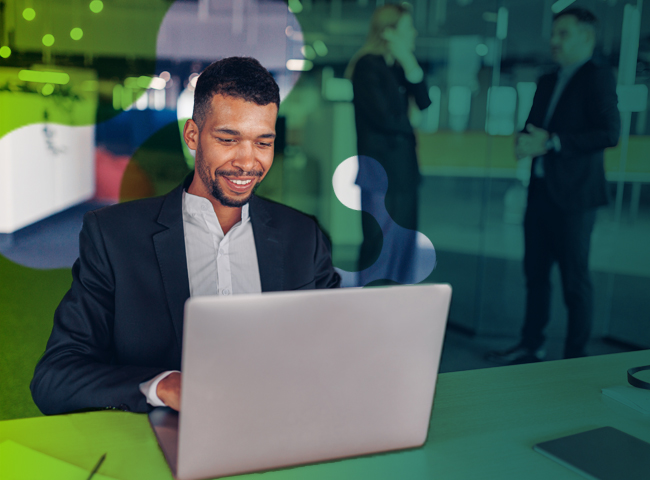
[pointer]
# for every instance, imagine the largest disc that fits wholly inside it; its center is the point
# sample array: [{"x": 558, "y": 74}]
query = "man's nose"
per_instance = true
[{"x": 245, "y": 157}]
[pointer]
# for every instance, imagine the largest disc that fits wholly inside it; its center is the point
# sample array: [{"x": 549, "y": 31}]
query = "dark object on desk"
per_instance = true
[
  {"x": 99, "y": 464},
  {"x": 637, "y": 382},
  {"x": 603, "y": 454}
]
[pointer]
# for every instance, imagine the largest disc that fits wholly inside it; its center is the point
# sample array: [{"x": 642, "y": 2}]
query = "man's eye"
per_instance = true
[
  {"x": 226, "y": 140},
  {"x": 266, "y": 144}
]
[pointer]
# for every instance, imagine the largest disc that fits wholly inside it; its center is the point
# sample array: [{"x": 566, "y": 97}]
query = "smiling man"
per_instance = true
[{"x": 117, "y": 334}]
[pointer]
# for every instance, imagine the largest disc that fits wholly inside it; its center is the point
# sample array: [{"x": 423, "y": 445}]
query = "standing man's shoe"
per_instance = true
[{"x": 516, "y": 356}]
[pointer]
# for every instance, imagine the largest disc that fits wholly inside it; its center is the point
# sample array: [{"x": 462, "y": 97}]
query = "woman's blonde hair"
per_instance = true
[{"x": 386, "y": 16}]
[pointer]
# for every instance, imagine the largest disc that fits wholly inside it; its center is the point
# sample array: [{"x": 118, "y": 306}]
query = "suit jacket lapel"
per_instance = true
[
  {"x": 566, "y": 94},
  {"x": 268, "y": 243},
  {"x": 546, "y": 100},
  {"x": 170, "y": 250}
]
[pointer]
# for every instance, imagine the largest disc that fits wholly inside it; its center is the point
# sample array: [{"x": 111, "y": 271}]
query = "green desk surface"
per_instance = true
[{"x": 484, "y": 425}]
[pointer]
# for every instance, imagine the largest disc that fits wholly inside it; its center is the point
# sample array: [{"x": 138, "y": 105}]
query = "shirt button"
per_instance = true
[{"x": 225, "y": 291}]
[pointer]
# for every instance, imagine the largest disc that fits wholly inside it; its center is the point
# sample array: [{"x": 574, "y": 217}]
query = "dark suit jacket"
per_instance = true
[
  {"x": 121, "y": 322},
  {"x": 586, "y": 120},
  {"x": 384, "y": 132}
]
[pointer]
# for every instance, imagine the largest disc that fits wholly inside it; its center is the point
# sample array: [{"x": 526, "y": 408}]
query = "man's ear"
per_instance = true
[
  {"x": 191, "y": 134},
  {"x": 589, "y": 35}
]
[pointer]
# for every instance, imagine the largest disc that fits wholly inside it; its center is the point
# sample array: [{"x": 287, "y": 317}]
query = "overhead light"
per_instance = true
[
  {"x": 157, "y": 83},
  {"x": 308, "y": 52},
  {"x": 143, "y": 81},
  {"x": 297, "y": 65},
  {"x": 117, "y": 97},
  {"x": 96, "y": 6},
  {"x": 560, "y": 5},
  {"x": 29, "y": 14},
  {"x": 59, "y": 78},
  {"x": 320, "y": 48},
  {"x": 76, "y": 33},
  {"x": 502, "y": 23},
  {"x": 47, "y": 89},
  {"x": 48, "y": 40},
  {"x": 295, "y": 6}
]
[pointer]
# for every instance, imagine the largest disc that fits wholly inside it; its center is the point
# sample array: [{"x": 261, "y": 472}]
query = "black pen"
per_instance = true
[{"x": 99, "y": 464}]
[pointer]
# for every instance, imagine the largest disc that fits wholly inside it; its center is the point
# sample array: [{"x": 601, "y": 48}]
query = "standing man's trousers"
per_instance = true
[{"x": 553, "y": 234}]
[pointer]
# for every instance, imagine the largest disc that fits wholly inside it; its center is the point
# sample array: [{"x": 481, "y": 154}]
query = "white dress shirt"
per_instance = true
[{"x": 217, "y": 264}]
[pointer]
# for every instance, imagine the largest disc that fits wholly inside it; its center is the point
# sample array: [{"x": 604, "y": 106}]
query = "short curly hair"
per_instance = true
[{"x": 240, "y": 77}]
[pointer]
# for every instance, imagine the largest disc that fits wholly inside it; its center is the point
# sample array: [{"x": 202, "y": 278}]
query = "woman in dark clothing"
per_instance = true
[{"x": 385, "y": 76}]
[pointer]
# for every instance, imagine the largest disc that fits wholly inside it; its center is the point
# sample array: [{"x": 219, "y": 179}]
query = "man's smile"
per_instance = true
[{"x": 240, "y": 183}]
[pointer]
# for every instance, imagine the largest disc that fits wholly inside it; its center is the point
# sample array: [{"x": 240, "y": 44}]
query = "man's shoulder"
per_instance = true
[
  {"x": 595, "y": 69},
  {"x": 135, "y": 211}
]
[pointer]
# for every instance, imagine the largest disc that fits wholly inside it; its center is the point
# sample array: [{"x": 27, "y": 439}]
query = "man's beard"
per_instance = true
[{"x": 215, "y": 188}]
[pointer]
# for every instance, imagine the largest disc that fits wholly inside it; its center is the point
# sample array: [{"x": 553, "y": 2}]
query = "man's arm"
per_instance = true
[
  {"x": 603, "y": 116},
  {"x": 525, "y": 144},
  {"x": 77, "y": 370},
  {"x": 326, "y": 276}
]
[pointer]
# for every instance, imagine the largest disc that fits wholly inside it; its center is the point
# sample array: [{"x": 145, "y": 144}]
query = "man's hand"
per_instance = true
[
  {"x": 398, "y": 46},
  {"x": 531, "y": 144},
  {"x": 169, "y": 390}
]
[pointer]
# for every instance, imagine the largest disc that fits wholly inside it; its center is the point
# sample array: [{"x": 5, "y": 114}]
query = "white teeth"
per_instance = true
[{"x": 240, "y": 182}]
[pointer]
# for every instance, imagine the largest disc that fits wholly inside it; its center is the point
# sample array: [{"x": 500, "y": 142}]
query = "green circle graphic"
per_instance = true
[
  {"x": 5, "y": 52},
  {"x": 76, "y": 33},
  {"x": 96, "y": 6},
  {"x": 48, "y": 40},
  {"x": 29, "y": 14}
]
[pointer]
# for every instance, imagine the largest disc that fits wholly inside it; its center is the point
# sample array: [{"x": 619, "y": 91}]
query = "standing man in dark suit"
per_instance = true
[
  {"x": 117, "y": 334},
  {"x": 574, "y": 117}
]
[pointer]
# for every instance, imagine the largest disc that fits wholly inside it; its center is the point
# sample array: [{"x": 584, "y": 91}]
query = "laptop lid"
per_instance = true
[{"x": 288, "y": 378}]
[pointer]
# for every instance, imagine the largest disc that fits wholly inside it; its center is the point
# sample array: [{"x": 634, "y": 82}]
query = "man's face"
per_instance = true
[
  {"x": 570, "y": 41},
  {"x": 234, "y": 148}
]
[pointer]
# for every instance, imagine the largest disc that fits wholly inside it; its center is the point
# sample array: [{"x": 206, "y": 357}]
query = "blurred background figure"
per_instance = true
[
  {"x": 573, "y": 119},
  {"x": 385, "y": 77}
]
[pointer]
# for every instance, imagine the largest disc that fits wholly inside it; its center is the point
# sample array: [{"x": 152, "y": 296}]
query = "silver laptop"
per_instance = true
[{"x": 288, "y": 378}]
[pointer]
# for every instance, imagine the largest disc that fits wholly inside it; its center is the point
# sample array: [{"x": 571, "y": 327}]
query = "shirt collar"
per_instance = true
[{"x": 195, "y": 205}]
